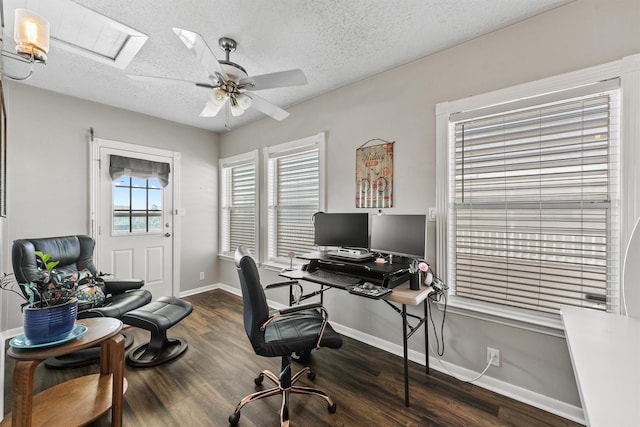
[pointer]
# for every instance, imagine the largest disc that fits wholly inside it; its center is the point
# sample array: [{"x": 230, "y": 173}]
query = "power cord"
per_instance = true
[
  {"x": 440, "y": 289},
  {"x": 440, "y": 293},
  {"x": 465, "y": 380}
]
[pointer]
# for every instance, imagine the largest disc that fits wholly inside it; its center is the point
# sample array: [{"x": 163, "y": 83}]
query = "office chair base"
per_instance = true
[
  {"x": 234, "y": 418},
  {"x": 80, "y": 358}
]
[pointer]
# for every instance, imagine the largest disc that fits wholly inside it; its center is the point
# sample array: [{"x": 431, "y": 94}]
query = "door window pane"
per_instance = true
[
  {"x": 137, "y": 205},
  {"x": 138, "y": 182},
  {"x": 138, "y": 198},
  {"x": 155, "y": 200},
  {"x": 121, "y": 198}
]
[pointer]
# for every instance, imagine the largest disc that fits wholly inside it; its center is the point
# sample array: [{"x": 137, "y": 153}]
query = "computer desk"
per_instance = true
[{"x": 401, "y": 295}]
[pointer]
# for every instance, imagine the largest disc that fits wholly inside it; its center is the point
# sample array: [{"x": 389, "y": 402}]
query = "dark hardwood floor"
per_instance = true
[{"x": 203, "y": 387}]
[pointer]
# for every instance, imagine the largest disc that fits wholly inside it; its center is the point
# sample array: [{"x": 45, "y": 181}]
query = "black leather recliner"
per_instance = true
[
  {"x": 280, "y": 333},
  {"x": 75, "y": 253}
]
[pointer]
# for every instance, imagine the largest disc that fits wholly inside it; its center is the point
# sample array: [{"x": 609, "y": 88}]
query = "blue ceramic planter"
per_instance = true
[{"x": 47, "y": 324}]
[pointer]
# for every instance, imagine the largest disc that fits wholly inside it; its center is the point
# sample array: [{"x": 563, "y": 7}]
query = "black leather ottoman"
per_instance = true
[{"x": 156, "y": 317}]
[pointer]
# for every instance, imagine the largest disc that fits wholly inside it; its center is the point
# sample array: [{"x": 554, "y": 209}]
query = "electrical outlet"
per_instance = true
[
  {"x": 202, "y": 275},
  {"x": 493, "y": 356}
]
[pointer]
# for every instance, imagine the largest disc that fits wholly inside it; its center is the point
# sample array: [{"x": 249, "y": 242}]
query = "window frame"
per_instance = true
[
  {"x": 224, "y": 165},
  {"x": 280, "y": 150},
  {"x": 628, "y": 70}
]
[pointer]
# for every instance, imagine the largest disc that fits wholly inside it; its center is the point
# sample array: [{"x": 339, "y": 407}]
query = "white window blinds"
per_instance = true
[
  {"x": 238, "y": 216},
  {"x": 294, "y": 188},
  {"x": 534, "y": 192}
]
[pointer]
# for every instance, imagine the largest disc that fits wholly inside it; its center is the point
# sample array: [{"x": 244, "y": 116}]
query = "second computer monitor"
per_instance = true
[
  {"x": 346, "y": 230},
  {"x": 403, "y": 235}
]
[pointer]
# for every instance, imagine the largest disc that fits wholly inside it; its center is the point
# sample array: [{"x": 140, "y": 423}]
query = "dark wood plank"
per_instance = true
[{"x": 203, "y": 387}]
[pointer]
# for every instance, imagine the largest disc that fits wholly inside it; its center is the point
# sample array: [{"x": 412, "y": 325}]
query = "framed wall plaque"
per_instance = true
[{"x": 374, "y": 175}]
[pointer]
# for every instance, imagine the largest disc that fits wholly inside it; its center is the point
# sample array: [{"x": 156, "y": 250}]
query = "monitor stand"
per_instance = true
[
  {"x": 398, "y": 259},
  {"x": 352, "y": 254}
]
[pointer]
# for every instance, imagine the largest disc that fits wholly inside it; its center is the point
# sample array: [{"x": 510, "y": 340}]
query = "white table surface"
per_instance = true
[{"x": 605, "y": 354}]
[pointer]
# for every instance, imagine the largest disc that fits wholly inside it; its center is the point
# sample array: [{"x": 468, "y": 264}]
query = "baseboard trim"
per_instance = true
[
  {"x": 206, "y": 288},
  {"x": 554, "y": 406}
]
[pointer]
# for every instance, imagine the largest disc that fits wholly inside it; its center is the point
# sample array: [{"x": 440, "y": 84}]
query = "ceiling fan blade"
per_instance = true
[
  {"x": 268, "y": 81},
  {"x": 211, "y": 109},
  {"x": 167, "y": 80},
  {"x": 196, "y": 44},
  {"x": 267, "y": 108}
]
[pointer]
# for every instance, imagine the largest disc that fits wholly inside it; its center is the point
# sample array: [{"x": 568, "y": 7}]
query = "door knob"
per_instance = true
[{"x": 167, "y": 234}]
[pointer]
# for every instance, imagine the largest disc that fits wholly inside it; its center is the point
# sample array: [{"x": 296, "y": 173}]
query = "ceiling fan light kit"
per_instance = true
[
  {"x": 229, "y": 83},
  {"x": 244, "y": 101},
  {"x": 236, "y": 109},
  {"x": 218, "y": 96}
]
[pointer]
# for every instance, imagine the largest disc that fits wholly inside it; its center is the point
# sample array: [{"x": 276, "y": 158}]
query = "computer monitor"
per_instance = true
[
  {"x": 403, "y": 235},
  {"x": 345, "y": 230}
]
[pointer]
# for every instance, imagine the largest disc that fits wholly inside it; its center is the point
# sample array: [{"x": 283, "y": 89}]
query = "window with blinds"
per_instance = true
[
  {"x": 534, "y": 194},
  {"x": 238, "y": 213},
  {"x": 294, "y": 195}
]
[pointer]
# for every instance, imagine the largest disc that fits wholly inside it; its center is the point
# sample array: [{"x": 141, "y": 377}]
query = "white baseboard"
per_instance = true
[
  {"x": 554, "y": 406},
  {"x": 205, "y": 289}
]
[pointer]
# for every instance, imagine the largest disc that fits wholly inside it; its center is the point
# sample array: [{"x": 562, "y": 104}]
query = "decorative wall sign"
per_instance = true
[{"x": 374, "y": 175}]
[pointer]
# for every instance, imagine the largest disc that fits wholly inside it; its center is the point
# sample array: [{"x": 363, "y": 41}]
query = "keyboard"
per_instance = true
[
  {"x": 333, "y": 278},
  {"x": 375, "y": 292}
]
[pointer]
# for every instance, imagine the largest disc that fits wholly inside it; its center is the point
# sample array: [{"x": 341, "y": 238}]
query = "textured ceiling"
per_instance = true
[{"x": 334, "y": 42}]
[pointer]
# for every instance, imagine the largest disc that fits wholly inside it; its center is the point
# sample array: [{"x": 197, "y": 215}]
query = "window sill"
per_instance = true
[
  {"x": 522, "y": 319},
  {"x": 225, "y": 257},
  {"x": 278, "y": 266},
  {"x": 271, "y": 265}
]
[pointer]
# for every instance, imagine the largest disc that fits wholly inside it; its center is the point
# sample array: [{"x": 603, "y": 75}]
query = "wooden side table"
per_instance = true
[{"x": 79, "y": 400}]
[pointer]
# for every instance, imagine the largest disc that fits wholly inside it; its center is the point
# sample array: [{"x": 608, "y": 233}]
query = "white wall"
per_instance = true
[
  {"x": 48, "y": 170},
  {"x": 399, "y": 105}
]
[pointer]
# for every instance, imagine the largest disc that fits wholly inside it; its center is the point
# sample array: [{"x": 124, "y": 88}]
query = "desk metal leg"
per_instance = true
[
  {"x": 407, "y": 331},
  {"x": 405, "y": 339},
  {"x": 426, "y": 337}
]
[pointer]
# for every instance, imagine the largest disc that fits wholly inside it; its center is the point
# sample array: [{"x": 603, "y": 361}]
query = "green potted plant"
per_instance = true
[{"x": 50, "y": 309}]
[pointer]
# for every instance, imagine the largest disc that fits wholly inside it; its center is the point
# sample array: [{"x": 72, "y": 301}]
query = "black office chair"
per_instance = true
[
  {"x": 75, "y": 253},
  {"x": 280, "y": 333}
]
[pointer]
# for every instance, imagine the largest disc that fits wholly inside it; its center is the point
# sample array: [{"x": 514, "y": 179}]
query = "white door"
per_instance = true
[{"x": 135, "y": 224}]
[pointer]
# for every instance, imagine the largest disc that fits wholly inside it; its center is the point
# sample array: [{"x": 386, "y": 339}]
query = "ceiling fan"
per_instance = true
[{"x": 229, "y": 82}]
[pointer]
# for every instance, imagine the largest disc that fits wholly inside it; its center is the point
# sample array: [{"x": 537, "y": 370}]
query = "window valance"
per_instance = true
[{"x": 140, "y": 168}]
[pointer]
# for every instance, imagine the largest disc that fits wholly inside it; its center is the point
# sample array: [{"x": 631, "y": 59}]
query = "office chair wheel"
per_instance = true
[
  {"x": 234, "y": 418},
  {"x": 258, "y": 380},
  {"x": 330, "y": 408},
  {"x": 311, "y": 375}
]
